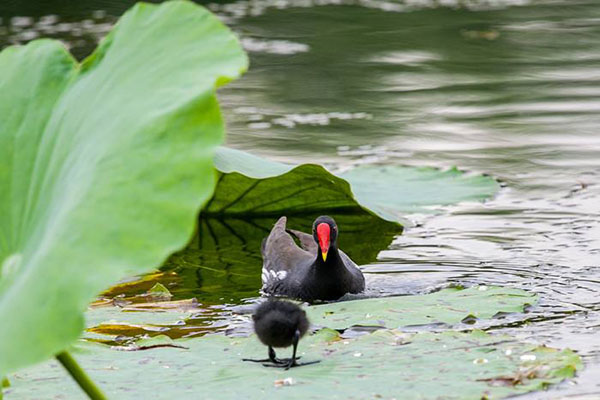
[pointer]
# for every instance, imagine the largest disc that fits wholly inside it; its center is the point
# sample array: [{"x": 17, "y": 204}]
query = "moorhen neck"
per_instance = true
[
  {"x": 317, "y": 271},
  {"x": 280, "y": 324}
]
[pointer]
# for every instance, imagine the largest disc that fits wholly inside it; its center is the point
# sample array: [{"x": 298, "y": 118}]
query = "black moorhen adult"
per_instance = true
[
  {"x": 317, "y": 271},
  {"x": 280, "y": 324}
]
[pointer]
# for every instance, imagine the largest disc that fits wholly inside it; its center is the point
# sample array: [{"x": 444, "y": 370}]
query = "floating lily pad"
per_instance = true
[
  {"x": 386, "y": 364},
  {"x": 104, "y": 164},
  {"x": 132, "y": 289},
  {"x": 443, "y": 310},
  {"x": 448, "y": 306}
]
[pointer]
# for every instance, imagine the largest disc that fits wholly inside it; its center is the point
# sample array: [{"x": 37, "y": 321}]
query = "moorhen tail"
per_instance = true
[
  {"x": 280, "y": 324},
  {"x": 317, "y": 271}
]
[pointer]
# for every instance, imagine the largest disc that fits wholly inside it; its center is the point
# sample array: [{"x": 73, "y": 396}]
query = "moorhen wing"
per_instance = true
[
  {"x": 280, "y": 324},
  {"x": 317, "y": 271}
]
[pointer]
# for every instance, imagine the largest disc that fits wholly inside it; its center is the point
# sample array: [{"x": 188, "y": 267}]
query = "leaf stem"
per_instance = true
[
  {"x": 82, "y": 379},
  {"x": 4, "y": 383}
]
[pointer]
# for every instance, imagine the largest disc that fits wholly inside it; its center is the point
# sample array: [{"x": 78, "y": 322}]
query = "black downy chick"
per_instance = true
[{"x": 280, "y": 324}]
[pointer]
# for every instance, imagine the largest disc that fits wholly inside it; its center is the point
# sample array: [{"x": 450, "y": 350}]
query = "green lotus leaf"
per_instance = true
[
  {"x": 224, "y": 261},
  {"x": 253, "y": 186},
  {"x": 386, "y": 364},
  {"x": 448, "y": 306},
  {"x": 393, "y": 191},
  {"x": 475, "y": 307},
  {"x": 250, "y": 186},
  {"x": 103, "y": 164}
]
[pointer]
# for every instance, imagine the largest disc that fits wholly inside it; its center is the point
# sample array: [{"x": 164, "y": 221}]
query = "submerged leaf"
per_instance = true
[
  {"x": 103, "y": 165},
  {"x": 159, "y": 292}
]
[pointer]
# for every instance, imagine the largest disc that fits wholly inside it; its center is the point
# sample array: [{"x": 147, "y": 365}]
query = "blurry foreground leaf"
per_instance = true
[{"x": 103, "y": 165}]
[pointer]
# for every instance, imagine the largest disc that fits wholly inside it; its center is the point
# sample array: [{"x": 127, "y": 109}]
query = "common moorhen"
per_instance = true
[
  {"x": 317, "y": 271},
  {"x": 280, "y": 324}
]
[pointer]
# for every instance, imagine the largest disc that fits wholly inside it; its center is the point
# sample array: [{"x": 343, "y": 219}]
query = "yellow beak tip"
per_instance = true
[{"x": 324, "y": 254}]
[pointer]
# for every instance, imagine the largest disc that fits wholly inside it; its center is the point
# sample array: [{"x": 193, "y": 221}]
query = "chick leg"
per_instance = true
[
  {"x": 272, "y": 358},
  {"x": 291, "y": 362}
]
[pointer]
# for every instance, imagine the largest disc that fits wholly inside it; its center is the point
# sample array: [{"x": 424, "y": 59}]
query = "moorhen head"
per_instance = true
[
  {"x": 317, "y": 270},
  {"x": 280, "y": 324},
  {"x": 325, "y": 233}
]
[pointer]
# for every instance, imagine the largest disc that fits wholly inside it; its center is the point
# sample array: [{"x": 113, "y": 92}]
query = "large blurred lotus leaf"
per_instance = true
[
  {"x": 252, "y": 186},
  {"x": 103, "y": 165},
  {"x": 386, "y": 364},
  {"x": 448, "y": 306}
]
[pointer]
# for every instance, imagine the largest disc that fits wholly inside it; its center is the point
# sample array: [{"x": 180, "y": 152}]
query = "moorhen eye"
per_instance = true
[
  {"x": 317, "y": 271},
  {"x": 280, "y": 324}
]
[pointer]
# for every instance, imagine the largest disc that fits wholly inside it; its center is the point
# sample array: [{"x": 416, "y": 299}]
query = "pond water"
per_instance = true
[{"x": 509, "y": 88}]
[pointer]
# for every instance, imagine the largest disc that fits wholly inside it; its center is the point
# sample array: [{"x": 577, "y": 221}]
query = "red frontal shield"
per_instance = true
[{"x": 323, "y": 231}]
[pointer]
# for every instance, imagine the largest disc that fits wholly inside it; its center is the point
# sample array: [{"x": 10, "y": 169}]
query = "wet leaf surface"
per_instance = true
[
  {"x": 443, "y": 310},
  {"x": 386, "y": 363}
]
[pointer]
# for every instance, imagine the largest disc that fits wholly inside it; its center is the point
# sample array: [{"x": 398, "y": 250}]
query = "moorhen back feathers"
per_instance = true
[{"x": 317, "y": 271}]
